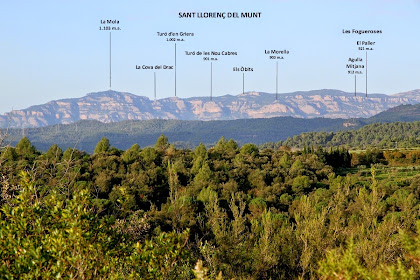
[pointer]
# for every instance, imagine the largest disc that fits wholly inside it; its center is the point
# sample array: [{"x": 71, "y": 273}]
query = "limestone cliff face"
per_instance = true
[{"x": 112, "y": 106}]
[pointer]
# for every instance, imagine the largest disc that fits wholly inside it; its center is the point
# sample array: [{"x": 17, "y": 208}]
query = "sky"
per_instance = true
[{"x": 53, "y": 50}]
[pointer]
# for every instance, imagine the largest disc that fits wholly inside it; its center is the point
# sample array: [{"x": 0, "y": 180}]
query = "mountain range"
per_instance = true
[
  {"x": 112, "y": 106},
  {"x": 85, "y": 134}
]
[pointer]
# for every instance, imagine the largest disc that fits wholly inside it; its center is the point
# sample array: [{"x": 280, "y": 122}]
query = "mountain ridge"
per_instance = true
[{"x": 113, "y": 106}]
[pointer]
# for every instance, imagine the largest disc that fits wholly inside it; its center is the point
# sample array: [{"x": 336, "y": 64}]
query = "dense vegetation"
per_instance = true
[{"x": 225, "y": 212}]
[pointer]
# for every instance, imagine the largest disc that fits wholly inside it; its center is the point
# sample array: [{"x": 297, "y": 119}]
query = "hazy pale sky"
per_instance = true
[{"x": 54, "y": 49}]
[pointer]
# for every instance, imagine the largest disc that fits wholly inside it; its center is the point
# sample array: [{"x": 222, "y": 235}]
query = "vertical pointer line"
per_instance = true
[
  {"x": 243, "y": 83},
  {"x": 366, "y": 75},
  {"x": 354, "y": 85},
  {"x": 155, "y": 84},
  {"x": 109, "y": 60},
  {"x": 277, "y": 79},
  {"x": 175, "y": 69},
  {"x": 211, "y": 81}
]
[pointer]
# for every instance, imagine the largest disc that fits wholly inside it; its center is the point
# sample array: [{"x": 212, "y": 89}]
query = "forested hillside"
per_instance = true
[
  {"x": 186, "y": 134},
  {"x": 224, "y": 212},
  {"x": 380, "y": 135},
  {"x": 401, "y": 113}
]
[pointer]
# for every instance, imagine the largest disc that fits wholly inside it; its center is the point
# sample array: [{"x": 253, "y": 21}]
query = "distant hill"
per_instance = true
[
  {"x": 401, "y": 113},
  {"x": 112, "y": 106}
]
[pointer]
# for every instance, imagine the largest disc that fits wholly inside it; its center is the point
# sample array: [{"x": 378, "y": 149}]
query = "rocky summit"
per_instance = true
[{"x": 113, "y": 106}]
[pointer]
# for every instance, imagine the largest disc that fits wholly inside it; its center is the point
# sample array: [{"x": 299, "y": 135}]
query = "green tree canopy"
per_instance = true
[
  {"x": 102, "y": 146},
  {"x": 25, "y": 149}
]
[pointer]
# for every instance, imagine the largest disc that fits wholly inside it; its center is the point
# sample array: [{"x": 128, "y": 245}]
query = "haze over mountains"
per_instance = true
[{"x": 112, "y": 106}]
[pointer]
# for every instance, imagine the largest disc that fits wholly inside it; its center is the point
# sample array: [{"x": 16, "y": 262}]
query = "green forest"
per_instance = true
[{"x": 219, "y": 212}]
